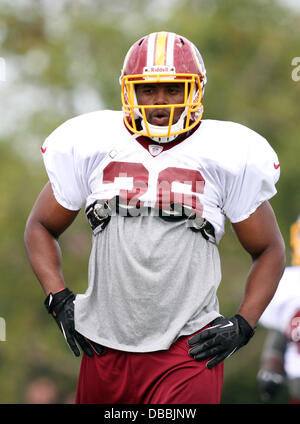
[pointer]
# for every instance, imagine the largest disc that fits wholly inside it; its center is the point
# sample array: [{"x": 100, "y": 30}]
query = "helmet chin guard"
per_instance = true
[
  {"x": 163, "y": 57},
  {"x": 155, "y": 129}
]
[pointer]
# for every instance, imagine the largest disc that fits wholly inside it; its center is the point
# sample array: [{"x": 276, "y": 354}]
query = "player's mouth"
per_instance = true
[{"x": 159, "y": 117}]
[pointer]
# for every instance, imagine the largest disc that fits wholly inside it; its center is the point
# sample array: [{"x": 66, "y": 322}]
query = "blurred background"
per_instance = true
[{"x": 61, "y": 58}]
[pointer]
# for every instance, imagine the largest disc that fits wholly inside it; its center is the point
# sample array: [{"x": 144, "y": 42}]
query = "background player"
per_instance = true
[
  {"x": 280, "y": 361},
  {"x": 157, "y": 191}
]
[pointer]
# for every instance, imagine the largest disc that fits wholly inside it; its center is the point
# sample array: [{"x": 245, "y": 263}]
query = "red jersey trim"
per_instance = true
[{"x": 146, "y": 141}]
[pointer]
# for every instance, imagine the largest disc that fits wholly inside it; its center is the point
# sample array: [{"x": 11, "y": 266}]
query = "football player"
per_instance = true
[
  {"x": 157, "y": 183},
  {"x": 280, "y": 358}
]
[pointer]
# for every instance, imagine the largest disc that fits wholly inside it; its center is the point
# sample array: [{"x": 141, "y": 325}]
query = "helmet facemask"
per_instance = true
[{"x": 135, "y": 113}]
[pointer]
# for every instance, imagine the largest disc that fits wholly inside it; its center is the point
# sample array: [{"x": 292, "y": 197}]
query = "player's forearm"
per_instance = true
[
  {"x": 45, "y": 257},
  {"x": 262, "y": 283}
]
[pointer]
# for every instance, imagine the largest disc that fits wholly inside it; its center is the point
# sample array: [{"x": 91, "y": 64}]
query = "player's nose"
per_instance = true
[{"x": 161, "y": 96}]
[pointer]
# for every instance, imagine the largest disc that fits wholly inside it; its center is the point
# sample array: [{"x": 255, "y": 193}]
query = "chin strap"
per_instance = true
[{"x": 162, "y": 140}]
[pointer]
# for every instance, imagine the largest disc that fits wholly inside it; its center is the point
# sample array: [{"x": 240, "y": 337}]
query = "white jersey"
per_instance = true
[
  {"x": 280, "y": 311},
  {"x": 285, "y": 302},
  {"x": 150, "y": 280},
  {"x": 235, "y": 169}
]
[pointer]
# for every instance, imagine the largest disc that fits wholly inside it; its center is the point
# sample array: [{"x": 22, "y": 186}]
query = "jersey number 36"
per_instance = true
[{"x": 172, "y": 185}]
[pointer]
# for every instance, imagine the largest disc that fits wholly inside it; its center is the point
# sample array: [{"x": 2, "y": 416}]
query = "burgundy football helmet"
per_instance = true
[{"x": 163, "y": 57}]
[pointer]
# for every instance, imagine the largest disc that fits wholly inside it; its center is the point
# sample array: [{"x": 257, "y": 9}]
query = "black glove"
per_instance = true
[
  {"x": 222, "y": 339},
  {"x": 61, "y": 306},
  {"x": 269, "y": 383}
]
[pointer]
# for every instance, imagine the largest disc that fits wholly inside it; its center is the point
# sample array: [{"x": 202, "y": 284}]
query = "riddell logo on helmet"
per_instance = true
[{"x": 159, "y": 69}]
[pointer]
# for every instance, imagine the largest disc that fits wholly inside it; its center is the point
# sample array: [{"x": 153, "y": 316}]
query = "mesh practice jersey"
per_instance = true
[{"x": 152, "y": 280}]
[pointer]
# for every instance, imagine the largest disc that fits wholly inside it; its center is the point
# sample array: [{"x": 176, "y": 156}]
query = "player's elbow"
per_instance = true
[
  {"x": 280, "y": 253},
  {"x": 273, "y": 254}
]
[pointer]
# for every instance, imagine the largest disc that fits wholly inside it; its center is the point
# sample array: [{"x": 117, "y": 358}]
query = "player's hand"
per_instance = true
[
  {"x": 61, "y": 306},
  {"x": 222, "y": 339},
  {"x": 269, "y": 383}
]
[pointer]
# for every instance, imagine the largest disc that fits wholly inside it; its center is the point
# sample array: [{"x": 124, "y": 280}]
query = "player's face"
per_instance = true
[{"x": 160, "y": 94}]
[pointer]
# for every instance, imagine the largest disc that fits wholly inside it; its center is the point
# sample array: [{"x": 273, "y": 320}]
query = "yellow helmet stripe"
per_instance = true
[
  {"x": 197, "y": 61},
  {"x": 160, "y": 50}
]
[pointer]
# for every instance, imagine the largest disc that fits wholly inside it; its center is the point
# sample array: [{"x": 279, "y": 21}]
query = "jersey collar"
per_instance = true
[{"x": 146, "y": 142}]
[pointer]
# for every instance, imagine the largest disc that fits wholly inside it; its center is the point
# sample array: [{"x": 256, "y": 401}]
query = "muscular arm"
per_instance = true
[
  {"x": 46, "y": 222},
  {"x": 261, "y": 237}
]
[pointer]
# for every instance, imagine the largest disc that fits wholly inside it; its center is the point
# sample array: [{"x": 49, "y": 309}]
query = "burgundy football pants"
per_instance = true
[{"x": 162, "y": 377}]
